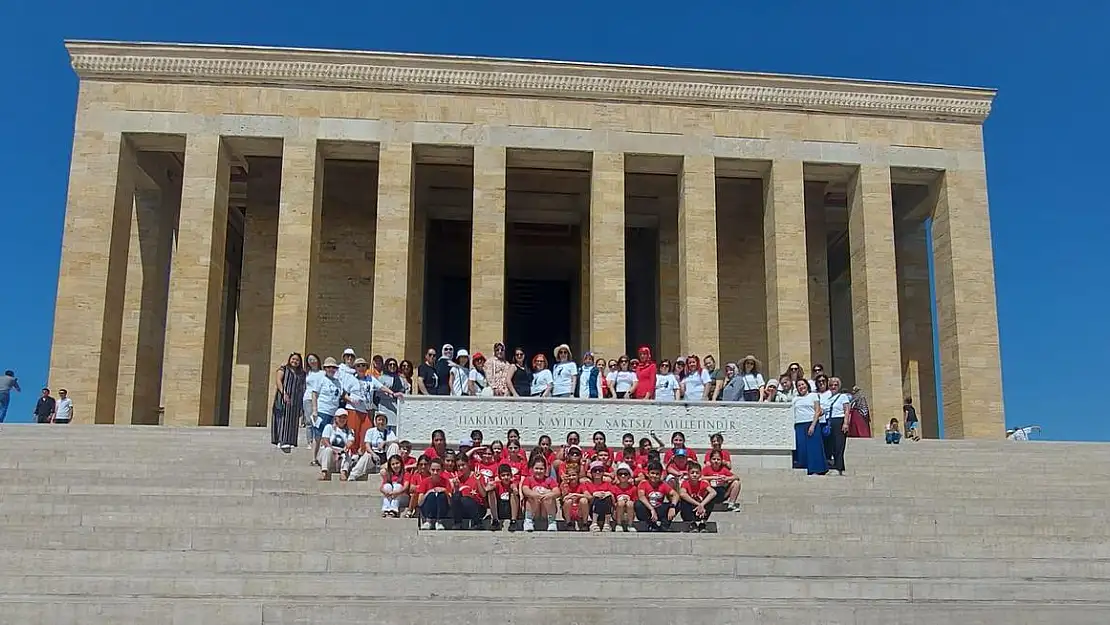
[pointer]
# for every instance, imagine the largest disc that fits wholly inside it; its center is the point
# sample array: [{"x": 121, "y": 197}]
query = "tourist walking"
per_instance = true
[
  {"x": 288, "y": 403},
  {"x": 8, "y": 383},
  {"x": 64, "y": 412},
  {"x": 44, "y": 408}
]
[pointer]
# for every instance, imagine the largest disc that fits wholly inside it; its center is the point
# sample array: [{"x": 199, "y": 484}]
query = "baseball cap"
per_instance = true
[
  {"x": 597, "y": 465},
  {"x": 342, "y": 412},
  {"x": 574, "y": 448},
  {"x": 680, "y": 451},
  {"x": 466, "y": 442},
  {"x": 624, "y": 468},
  {"x": 350, "y": 351}
]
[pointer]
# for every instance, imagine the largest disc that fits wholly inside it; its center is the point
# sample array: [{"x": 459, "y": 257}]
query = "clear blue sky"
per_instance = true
[{"x": 1045, "y": 139}]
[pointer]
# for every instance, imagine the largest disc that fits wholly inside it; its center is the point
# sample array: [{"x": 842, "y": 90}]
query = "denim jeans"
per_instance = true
[{"x": 4, "y": 399}]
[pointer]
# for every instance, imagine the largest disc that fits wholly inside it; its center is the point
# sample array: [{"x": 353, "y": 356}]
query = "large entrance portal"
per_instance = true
[{"x": 538, "y": 314}]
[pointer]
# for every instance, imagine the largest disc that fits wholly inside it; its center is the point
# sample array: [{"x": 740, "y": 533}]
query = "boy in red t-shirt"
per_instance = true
[
  {"x": 695, "y": 495},
  {"x": 716, "y": 442},
  {"x": 540, "y": 492},
  {"x": 504, "y": 498},
  {"x": 657, "y": 499},
  {"x": 600, "y": 497},
  {"x": 469, "y": 498},
  {"x": 576, "y": 501},
  {"x": 432, "y": 494},
  {"x": 406, "y": 456},
  {"x": 625, "y": 496},
  {"x": 722, "y": 480}
]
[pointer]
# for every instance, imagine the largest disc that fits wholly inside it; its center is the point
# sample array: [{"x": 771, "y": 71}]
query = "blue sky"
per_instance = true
[{"x": 1045, "y": 138}]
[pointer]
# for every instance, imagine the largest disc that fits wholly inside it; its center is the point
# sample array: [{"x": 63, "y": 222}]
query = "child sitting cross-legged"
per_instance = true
[
  {"x": 540, "y": 492},
  {"x": 695, "y": 495},
  {"x": 600, "y": 496},
  {"x": 576, "y": 501},
  {"x": 656, "y": 504},
  {"x": 433, "y": 496},
  {"x": 625, "y": 496},
  {"x": 503, "y": 494},
  {"x": 470, "y": 497}
]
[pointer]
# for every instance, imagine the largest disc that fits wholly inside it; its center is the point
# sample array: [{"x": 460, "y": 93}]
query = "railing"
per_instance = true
[{"x": 756, "y": 434}]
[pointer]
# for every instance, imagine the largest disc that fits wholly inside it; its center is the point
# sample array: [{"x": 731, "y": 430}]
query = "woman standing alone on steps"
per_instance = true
[{"x": 288, "y": 403}]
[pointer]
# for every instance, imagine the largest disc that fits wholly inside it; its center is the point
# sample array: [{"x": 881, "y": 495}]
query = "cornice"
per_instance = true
[{"x": 376, "y": 71}]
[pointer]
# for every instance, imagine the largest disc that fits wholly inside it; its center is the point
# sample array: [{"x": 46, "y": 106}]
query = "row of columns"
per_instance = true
[{"x": 99, "y": 230}]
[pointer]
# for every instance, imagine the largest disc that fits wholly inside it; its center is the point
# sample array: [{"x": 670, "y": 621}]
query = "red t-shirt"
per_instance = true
[
  {"x": 573, "y": 487},
  {"x": 503, "y": 490},
  {"x": 623, "y": 491},
  {"x": 545, "y": 483},
  {"x": 678, "y": 463},
  {"x": 656, "y": 493},
  {"x": 410, "y": 463},
  {"x": 550, "y": 457},
  {"x": 470, "y": 487},
  {"x": 592, "y": 452},
  {"x": 488, "y": 472},
  {"x": 449, "y": 475},
  {"x": 667, "y": 455},
  {"x": 715, "y": 475},
  {"x": 433, "y": 481},
  {"x": 432, "y": 454},
  {"x": 698, "y": 490},
  {"x": 725, "y": 457},
  {"x": 561, "y": 471},
  {"x": 589, "y": 488}
]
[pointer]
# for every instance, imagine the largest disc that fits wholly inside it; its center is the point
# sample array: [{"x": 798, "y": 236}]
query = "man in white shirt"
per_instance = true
[
  {"x": 64, "y": 410},
  {"x": 379, "y": 444}
]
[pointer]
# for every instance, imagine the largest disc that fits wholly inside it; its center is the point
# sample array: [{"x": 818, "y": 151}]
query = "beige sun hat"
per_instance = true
[
  {"x": 751, "y": 358},
  {"x": 562, "y": 346},
  {"x": 330, "y": 362},
  {"x": 360, "y": 361}
]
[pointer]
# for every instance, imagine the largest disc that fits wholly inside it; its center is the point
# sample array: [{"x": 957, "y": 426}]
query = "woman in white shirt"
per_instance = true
[
  {"x": 564, "y": 374},
  {"x": 666, "y": 384},
  {"x": 809, "y": 450},
  {"x": 313, "y": 373},
  {"x": 834, "y": 404},
  {"x": 750, "y": 378},
  {"x": 459, "y": 374},
  {"x": 541, "y": 377},
  {"x": 622, "y": 379},
  {"x": 336, "y": 442},
  {"x": 693, "y": 385},
  {"x": 477, "y": 383}
]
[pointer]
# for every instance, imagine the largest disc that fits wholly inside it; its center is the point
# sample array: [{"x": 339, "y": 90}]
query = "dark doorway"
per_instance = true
[{"x": 538, "y": 315}]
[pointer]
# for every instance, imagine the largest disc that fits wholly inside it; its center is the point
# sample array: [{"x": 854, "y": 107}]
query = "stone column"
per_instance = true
[
  {"x": 190, "y": 383},
  {"x": 417, "y": 267},
  {"x": 875, "y": 294},
  {"x": 668, "y": 287},
  {"x": 85, "y": 354},
  {"x": 144, "y": 310},
  {"x": 785, "y": 261},
  {"x": 487, "y": 252},
  {"x": 817, "y": 260},
  {"x": 250, "y": 381},
  {"x": 393, "y": 238},
  {"x": 606, "y": 249},
  {"x": 971, "y": 377},
  {"x": 915, "y": 321},
  {"x": 298, "y": 254},
  {"x": 697, "y": 257}
]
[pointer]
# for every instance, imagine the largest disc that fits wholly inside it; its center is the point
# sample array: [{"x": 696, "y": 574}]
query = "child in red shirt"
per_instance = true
[
  {"x": 469, "y": 499},
  {"x": 416, "y": 474},
  {"x": 678, "y": 441},
  {"x": 600, "y": 498},
  {"x": 606, "y": 465},
  {"x": 432, "y": 496},
  {"x": 487, "y": 465},
  {"x": 678, "y": 466},
  {"x": 504, "y": 498},
  {"x": 722, "y": 481},
  {"x": 716, "y": 442},
  {"x": 599, "y": 444},
  {"x": 395, "y": 485},
  {"x": 548, "y": 452},
  {"x": 406, "y": 456},
  {"x": 657, "y": 499},
  {"x": 514, "y": 457},
  {"x": 624, "y": 496},
  {"x": 695, "y": 495},
  {"x": 576, "y": 501},
  {"x": 540, "y": 492}
]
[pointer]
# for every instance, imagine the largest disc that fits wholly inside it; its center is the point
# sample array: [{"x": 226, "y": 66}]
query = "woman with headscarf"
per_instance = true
[
  {"x": 288, "y": 404},
  {"x": 645, "y": 374},
  {"x": 443, "y": 369}
]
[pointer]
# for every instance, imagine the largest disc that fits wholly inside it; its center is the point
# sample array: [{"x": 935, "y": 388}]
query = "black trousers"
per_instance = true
[
  {"x": 463, "y": 507},
  {"x": 751, "y": 394},
  {"x": 835, "y": 443},
  {"x": 644, "y": 514},
  {"x": 601, "y": 508},
  {"x": 686, "y": 509},
  {"x": 435, "y": 506}
]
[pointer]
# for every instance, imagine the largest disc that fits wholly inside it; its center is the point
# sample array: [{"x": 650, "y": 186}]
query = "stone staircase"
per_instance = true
[{"x": 129, "y": 525}]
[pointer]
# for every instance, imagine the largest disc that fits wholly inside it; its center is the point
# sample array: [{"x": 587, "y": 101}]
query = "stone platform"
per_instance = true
[
  {"x": 111, "y": 525},
  {"x": 758, "y": 435}
]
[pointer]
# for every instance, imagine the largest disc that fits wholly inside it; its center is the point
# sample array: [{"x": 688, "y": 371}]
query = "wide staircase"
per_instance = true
[{"x": 128, "y": 525}]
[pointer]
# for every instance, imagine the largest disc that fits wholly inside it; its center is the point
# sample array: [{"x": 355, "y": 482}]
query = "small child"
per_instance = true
[
  {"x": 722, "y": 481},
  {"x": 469, "y": 498},
  {"x": 576, "y": 500},
  {"x": 540, "y": 492},
  {"x": 625, "y": 496},
  {"x": 503, "y": 495},
  {"x": 678, "y": 465},
  {"x": 487, "y": 466},
  {"x": 599, "y": 497},
  {"x": 892, "y": 433},
  {"x": 433, "y": 495},
  {"x": 656, "y": 500},
  {"x": 716, "y": 442},
  {"x": 406, "y": 456},
  {"x": 395, "y": 486},
  {"x": 695, "y": 495}
]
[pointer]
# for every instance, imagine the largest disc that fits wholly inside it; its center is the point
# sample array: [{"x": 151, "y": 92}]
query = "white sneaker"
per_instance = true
[
  {"x": 439, "y": 526},
  {"x": 552, "y": 526},
  {"x": 529, "y": 525},
  {"x": 426, "y": 526},
  {"x": 618, "y": 528},
  {"x": 632, "y": 528}
]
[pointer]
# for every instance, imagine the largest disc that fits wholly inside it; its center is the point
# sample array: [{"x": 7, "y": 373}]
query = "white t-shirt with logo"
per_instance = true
[
  {"x": 804, "y": 407},
  {"x": 666, "y": 385},
  {"x": 621, "y": 381},
  {"x": 339, "y": 438},
  {"x": 694, "y": 385},
  {"x": 562, "y": 374}
]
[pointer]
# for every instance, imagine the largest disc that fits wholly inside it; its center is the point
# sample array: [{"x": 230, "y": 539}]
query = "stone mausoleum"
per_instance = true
[{"x": 229, "y": 205}]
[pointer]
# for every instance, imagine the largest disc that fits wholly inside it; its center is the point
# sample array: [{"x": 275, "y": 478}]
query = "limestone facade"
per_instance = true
[{"x": 771, "y": 187}]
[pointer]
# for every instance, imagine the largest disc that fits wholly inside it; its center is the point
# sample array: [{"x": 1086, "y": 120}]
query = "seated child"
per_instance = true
[
  {"x": 716, "y": 442},
  {"x": 540, "y": 492},
  {"x": 695, "y": 496},
  {"x": 677, "y": 466},
  {"x": 656, "y": 504},
  {"x": 503, "y": 495},
  {"x": 625, "y": 495},
  {"x": 433, "y": 496},
  {"x": 722, "y": 481},
  {"x": 470, "y": 497},
  {"x": 600, "y": 497},
  {"x": 576, "y": 501},
  {"x": 395, "y": 486},
  {"x": 892, "y": 433}
]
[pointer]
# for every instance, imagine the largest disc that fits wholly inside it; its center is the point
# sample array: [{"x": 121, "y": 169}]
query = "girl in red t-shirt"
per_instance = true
[
  {"x": 678, "y": 466},
  {"x": 514, "y": 457},
  {"x": 504, "y": 498},
  {"x": 417, "y": 473},
  {"x": 625, "y": 496},
  {"x": 433, "y": 496},
  {"x": 678, "y": 441},
  {"x": 717, "y": 442},
  {"x": 722, "y": 480},
  {"x": 576, "y": 501},
  {"x": 395, "y": 484},
  {"x": 656, "y": 504},
  {"x": 600, "y": 498},
  {"x": 599, "y": 444},
  {"x": 487, "y": 465},
  {"x": 540, "y": 492},
  {"x": 695, "y": 495},
  {"x": 548, "y": 451}
]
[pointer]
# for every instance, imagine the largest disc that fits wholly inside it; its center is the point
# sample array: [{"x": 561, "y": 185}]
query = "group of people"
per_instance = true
[
  {"x": 48, "y": 409},
  {"x": 486, "y": 485}
]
